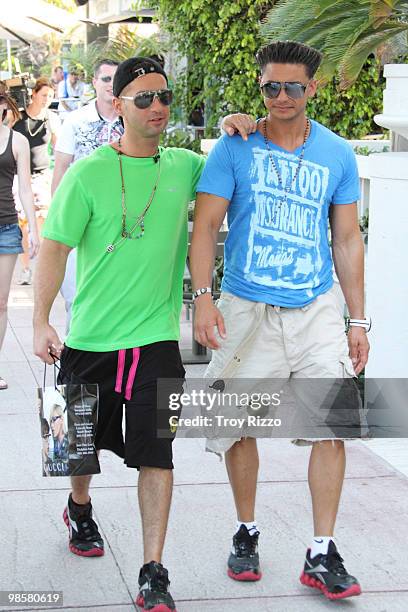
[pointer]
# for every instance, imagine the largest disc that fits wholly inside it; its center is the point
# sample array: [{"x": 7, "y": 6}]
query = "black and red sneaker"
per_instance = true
[
  {"x": 84, "y": 537},
  {"x": 328, "y": 574},
  {"x": 153, "y": 589},
  {"x": 243, "y": 562}
]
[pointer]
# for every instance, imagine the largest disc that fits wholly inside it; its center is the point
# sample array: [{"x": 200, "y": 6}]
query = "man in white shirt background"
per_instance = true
[{"x": 84, "y": 130}]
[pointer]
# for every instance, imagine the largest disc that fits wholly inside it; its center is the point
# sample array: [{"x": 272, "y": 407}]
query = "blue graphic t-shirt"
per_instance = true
[{"x": 277, "y": 251}]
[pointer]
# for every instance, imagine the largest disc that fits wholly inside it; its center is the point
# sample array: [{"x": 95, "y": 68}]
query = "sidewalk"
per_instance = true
[{"x": 371, "y": 531}]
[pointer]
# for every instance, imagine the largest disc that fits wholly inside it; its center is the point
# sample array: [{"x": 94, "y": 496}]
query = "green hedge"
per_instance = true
[
  {"x": 220, "y": 40},
  {"x": 350, "y": 113}
]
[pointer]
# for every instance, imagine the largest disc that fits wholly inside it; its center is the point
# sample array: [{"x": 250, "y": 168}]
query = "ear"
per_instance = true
[
  {"x": 117, "y": 105},
  {"x": 312, "y": 88},
  {"x": 93, "y": 82}
]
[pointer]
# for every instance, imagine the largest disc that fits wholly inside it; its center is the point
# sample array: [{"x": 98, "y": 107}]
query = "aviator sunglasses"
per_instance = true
[
  {"x": 144, "y": 99},
  {"x": 293, "y": 89}
]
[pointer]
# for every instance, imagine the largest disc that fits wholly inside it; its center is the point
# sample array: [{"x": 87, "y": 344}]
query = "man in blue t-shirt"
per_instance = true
[{"x": 280, "y": 316}]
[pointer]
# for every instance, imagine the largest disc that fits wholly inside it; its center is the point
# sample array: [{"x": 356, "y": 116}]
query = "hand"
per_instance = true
[
  {"x": 34, "y": 243},
  {"x": 47, "y": 343},
  {"x": 239, "y": 123},
  {"x": 206, "y": 318},
  {"x": 358, "y": 347}
]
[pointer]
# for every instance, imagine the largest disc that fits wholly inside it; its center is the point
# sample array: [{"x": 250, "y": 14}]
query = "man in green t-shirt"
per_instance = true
[{"x": 125, "y": 209}]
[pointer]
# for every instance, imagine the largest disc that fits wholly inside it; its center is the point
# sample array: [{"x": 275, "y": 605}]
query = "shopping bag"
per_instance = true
[{"x": 68, "y": 419}]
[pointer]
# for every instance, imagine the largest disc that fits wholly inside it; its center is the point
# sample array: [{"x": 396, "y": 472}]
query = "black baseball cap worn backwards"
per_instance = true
[{"x": 132, "y": 69}]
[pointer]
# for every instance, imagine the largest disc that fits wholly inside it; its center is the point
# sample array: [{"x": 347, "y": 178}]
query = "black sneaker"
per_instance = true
[
  {"x": 153, "y": 584},
  {"x": 84, "y": 537},
  {"x": 243, "y": 562},
  {"x": 327, "y": 573}
]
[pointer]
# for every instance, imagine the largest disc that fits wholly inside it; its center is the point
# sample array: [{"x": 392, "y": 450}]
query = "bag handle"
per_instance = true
[{"x": 55, "y": 368}]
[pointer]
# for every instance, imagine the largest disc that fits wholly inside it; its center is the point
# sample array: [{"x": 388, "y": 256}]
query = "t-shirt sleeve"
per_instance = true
[
  {"x": 61, "y": 89},
  {"x": 66, "y": 138},
  {"x": 198, "y": 163},
  {"x": 218, "y": 175},
  {"x": 348, "y": 189},
  {"x": 69, "y": 212}
]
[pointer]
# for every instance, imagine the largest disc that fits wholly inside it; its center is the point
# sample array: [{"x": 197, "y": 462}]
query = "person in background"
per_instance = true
[
  {"x": 83, "y": 131},
  {"x": 56, "y": 78},
  {"x": 40, "y": 126},
  {"x": 15, "y": 155},
  {"x": 70, "y": 91}
]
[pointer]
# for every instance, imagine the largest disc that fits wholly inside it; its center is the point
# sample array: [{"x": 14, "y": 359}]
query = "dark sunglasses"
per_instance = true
[
  {"x": 106, "y": 79},
  {"x": 46, "y": 436},
  {"x": 293, "y": 90},
  {"x": 144, "y": 99},
  {"x": 55, "y": 418}
]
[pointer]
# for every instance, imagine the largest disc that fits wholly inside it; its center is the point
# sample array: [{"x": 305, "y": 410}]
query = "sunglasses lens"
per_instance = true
[
  {"x": 271, "y": 90},
  {"x": 106, "y": 79},
  {"x": 166, "y": 97},
  {"x": 295, "y": 90},
  {"x": 144, "y": 100}
]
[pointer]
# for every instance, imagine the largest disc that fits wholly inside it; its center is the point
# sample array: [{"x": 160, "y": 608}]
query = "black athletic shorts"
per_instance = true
[{"x": 128, "y": 379}]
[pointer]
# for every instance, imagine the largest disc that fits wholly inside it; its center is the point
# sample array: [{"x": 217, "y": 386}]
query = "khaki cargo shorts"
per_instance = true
[{"x": 295, "y": 346}]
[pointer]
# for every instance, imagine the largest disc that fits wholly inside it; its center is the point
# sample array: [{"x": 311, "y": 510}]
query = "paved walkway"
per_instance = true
[{"x": 372, "y": 527}]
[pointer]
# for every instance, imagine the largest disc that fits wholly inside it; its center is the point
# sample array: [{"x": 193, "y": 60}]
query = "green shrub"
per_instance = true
[
  {"x": 220, "y": 40},
  {"x": 350, "y": 112}
]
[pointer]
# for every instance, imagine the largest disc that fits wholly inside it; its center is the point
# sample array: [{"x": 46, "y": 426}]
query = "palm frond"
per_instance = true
[
  {"x": 324, "y": 5},
  {"x": 357, "y": 55},
  {"x": 340, "y": 29}
]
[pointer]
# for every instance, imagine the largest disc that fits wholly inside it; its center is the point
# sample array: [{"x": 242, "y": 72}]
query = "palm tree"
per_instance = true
[
  {"x": 346, "y": 31},
  {"x": 125, "y": 44}
]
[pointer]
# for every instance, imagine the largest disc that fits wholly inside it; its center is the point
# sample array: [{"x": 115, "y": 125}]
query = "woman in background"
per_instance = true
[
  {"x": 40, "y": 126},
  {"x": 14, "y": 156}
]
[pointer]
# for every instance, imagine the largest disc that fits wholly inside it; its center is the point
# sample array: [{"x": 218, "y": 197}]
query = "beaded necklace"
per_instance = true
[{"x": 287, "y": 189}]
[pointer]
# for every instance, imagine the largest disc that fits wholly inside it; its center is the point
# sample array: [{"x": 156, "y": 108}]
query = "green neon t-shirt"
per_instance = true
[{"x": 132, "y": 296}]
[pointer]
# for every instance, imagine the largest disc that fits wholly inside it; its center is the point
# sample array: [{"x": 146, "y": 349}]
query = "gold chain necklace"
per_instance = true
[
  {"x": 287, "y": 189},
  {"x": 127, "y": 233}
]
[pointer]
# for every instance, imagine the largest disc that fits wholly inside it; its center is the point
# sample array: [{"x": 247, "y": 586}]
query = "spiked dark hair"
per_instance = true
[{"x": 288, "y": 52}]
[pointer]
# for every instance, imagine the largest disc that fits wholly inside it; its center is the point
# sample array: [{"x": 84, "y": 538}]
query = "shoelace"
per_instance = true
[
  {"x": 88, "y": 528},
  {"x": 335, "y": 563},
  {"x": 159, "y": 582},
  {"x": 246, "y": 547}
]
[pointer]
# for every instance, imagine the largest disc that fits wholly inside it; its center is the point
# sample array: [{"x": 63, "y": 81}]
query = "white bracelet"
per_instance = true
[
  {"x": 364, "y": 323},
  {"x": 201, "y": 291}
]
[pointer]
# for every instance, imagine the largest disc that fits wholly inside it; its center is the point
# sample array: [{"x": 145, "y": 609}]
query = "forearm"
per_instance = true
[
  {"x": 27, "y": 201},
  {"x": 348, "y": 257},
  {"x": 62, "y": 163},
  {"x": 48, "y": 278}
]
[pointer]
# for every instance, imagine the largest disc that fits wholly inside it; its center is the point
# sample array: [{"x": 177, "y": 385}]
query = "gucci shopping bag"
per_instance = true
[{"x": 68, "y": 419}]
